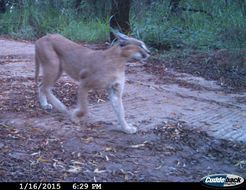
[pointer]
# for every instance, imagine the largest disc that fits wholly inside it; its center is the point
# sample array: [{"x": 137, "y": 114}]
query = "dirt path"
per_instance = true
[{"x": 188, "y": 128}]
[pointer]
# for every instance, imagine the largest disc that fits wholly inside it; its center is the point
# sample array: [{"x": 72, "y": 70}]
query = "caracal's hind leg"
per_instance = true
[
  {"x": 43, "y": 98},
  {"x": 81, "y": 111},
  {"x": 42, "y": 95},
  {"x": 51, "y": 73}
]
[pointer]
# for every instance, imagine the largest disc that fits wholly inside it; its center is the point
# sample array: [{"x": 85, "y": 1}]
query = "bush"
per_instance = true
[
  {"x": 91, "y": 31},
  {"x": 199, "y": 24},
  {"x": 212, "y": 25},
  {"x": 34, "y": 22}
]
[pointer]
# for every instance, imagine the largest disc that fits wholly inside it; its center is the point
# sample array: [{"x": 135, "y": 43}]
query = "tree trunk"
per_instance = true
[
  {"x": 174, "y": 8},
  {"x": 226, "y": 3},
  {"x": 2, "y": 6},
  {"x": 120, "y": 16},
  {"x": 242, "y": 4},
  {"x": 77, "y": 6}
]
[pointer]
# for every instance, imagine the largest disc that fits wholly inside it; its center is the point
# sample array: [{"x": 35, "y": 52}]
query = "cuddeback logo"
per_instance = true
[{"x": 222, "y": 180}]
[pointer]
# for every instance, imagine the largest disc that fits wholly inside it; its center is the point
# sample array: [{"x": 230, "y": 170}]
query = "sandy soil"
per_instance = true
[{"x": 189, "y": 126}]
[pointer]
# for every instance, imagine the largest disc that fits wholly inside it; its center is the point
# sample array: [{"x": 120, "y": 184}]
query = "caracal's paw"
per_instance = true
[
  {"x": 75, "y": 120},
  {"x": 77, "y": 117},
  {"x": 47, "y": 107},
  {"x": 129, "y": 129}
]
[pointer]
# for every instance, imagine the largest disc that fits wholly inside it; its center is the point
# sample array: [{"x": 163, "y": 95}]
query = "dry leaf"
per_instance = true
[
  {"x": 74, "y": 169},
  {"x": 35, "y": 130},
  {"x": 41, "y": 159},
  {"x": 46, "y": 142},
  {"x": 87, "y": 140},
  {"x": 100, "y": 100},
  {"x": 15, "y": 131},
  {"x": 241, "y": 163},
  {"x": 108, "y": 148},
  {"x": 107, "y": 158},
  {"x": 58, "y": 165},
  {"x": 138, "y": 145},
  {"x": 123, "y": 171},
  {"x": 126, "y": 177},
  {"x": 93, "y": 163},
  {"x": 4, "y": 125},
  {"x": 35, "y": 153},
  {"x": 77, "y": 162},
  {"x": 99, "y": 171},
  {"x": 237, "y": 126},
  {"x": 159, "y": 167}
]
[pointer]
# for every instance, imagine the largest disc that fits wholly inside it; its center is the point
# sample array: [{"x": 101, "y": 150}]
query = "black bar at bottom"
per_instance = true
[{"x": 104, "y": 186}]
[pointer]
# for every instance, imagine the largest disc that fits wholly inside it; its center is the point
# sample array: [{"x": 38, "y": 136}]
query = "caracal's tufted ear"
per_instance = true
[
  {"x": 122, "y": 38},
  {"x": 144, "y": 47}
]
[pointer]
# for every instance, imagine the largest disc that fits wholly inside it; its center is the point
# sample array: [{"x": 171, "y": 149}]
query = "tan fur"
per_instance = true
[{"x": 94, "y": 69}]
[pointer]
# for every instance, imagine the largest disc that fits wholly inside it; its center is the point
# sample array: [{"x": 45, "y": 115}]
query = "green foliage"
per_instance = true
[
  {"x": 92, "y": 31},
  {"x": 33, "y": 19},
  {"x": 199, "y": 24}
]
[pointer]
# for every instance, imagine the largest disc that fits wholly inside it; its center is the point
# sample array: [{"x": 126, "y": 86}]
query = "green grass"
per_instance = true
[
  {"x": 34, "y": 23},
  {"x": 90, "y": 31},
  {"x": 152, "y": 23},
  {"x": 225, "y": 29}
]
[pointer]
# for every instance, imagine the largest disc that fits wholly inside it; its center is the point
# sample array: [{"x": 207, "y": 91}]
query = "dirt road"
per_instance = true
[{"x": 188, "y": 128}]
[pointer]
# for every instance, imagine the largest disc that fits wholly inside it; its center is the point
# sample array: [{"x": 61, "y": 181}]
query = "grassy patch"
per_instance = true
[
  {"x": 90, "y": 31},
  {"x": 34, "y": 23},
  {"x": 225, "y": 28}
]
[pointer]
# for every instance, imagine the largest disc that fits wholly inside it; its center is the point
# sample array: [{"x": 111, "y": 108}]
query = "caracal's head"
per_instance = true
[
  {"x": 133, "y": 48},
  {"x": 134, "y": 52}
]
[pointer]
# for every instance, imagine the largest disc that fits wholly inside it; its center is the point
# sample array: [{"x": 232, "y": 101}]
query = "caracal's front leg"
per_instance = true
[{"x": 115, "y": 96}]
